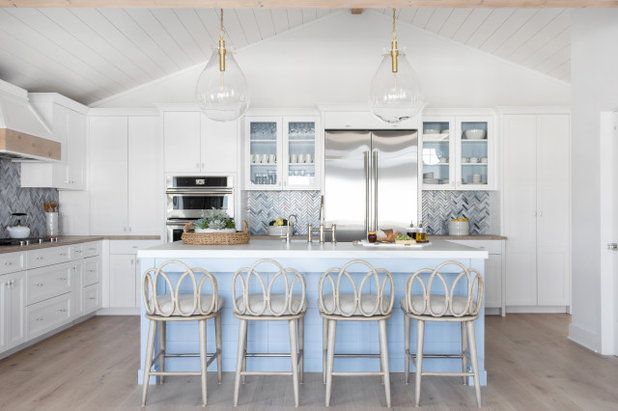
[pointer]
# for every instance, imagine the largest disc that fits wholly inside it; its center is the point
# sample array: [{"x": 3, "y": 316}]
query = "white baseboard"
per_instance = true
[
  {"x": 584, "y": 337},
  {"x": 119, "y": 311},
  {"x": 537, "y": 309}
]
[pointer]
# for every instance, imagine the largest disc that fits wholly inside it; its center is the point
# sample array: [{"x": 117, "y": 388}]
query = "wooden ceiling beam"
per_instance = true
[{"x": 328, "y": 4}]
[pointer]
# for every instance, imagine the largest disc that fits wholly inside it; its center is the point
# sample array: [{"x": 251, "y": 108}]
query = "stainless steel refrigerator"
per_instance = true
[{"x": 370, "y": 180}]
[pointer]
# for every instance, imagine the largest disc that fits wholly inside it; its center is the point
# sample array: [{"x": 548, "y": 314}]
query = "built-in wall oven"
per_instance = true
[{"x": 188, "y": 197}]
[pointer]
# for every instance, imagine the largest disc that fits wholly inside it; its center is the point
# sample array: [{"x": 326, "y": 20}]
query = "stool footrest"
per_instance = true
[
  {"x": 358, "y": 374},
  {"x": 266, "y": 354},
  {"x": 451, "y": 356},
  {"x": 352, "y": 355},
  {"x": 265, "y": 373},
  {"x": 176, "y": 373},
  {"x": 448, "y": 374}
]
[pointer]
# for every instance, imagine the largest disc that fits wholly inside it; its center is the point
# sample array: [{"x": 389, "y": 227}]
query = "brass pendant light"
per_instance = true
[{"x": 221, "y": 90}]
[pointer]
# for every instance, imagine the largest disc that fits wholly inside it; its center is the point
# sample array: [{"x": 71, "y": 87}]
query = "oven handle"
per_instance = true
[
  {"x": 179, "y": 223},
  {"x": 213, "y": 191}
]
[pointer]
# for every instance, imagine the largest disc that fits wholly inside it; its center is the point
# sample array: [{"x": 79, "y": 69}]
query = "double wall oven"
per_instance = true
[{"x": 189, "y": 197}]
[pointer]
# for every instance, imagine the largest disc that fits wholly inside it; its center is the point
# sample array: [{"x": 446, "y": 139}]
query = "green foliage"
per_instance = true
[{"x": 215, "y": 220}]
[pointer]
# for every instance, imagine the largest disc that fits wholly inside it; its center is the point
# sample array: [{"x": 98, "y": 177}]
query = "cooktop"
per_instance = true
[{"x": 26, "y": 241}]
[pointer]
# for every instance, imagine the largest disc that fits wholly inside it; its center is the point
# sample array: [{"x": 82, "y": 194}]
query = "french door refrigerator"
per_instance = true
[{"x": 370, "y": 181}]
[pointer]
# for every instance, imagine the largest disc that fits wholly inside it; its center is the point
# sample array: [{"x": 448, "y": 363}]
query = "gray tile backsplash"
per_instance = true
[
  {"x": 261, "y": 207},
  {"x": 14, "y": 199}
]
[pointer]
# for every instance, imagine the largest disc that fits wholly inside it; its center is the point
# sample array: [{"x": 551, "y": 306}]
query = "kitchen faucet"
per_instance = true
[{"x": 290, "y": 230}]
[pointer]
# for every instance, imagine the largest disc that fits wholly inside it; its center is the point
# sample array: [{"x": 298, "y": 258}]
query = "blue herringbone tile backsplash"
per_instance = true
[
  {"x": 14, "y": 199},
  {"x": 261, "y": 207}
]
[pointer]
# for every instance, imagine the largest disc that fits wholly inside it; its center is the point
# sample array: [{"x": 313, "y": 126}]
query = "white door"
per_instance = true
[
  {"x": 16, "y": 308},
  {"x": 76, "y": 149},
  {"x": 122, "y": 281},
  {"x": 60, "y": 128},
  {"x": 553, "y": 198},
  {"x": 220, "y": 146},
  {"x": 493, "y": 281},
  {"x": 182, "y": 136},
  {"x": 145, "y": 176},
  {"x": 108, "y": 175},
  {"x": 519, "y": 187}
]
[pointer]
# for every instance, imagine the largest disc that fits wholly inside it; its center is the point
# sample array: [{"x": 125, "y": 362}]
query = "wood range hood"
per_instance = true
[{"x": 23, "y": 134}]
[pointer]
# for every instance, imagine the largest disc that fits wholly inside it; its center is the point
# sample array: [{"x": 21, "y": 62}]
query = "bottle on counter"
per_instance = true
[{"x": 372, "y": 236}]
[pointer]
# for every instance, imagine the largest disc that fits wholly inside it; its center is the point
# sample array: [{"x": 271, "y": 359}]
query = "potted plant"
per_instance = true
[{"x": 215, "y": 221}]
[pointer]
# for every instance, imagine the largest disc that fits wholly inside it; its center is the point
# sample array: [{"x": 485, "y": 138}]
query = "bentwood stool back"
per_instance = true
[
  {"x": 451, "y": 292},
  {"x": 280, "y": 298},
  {"x": 355, "y": 292},
  {"x": 192, "y": 297}
]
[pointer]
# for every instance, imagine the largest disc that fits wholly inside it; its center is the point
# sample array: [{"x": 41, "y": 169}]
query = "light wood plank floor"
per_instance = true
[{"x": 531, "y": 366}]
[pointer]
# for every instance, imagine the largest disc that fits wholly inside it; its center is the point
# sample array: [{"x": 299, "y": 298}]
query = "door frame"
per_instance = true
[{"x": 608, "y": 183}]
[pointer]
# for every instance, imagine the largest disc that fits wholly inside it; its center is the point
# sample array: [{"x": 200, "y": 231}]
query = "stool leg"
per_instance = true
[
  {"x": 301, "y": 347},
  {"x": 244, "y": 356},
  {"x": 474, "y": 360},
  {"x": 420, "y": 338},
  {"x": 464, "y": 352},
  {"x": 152, "y": 328},
  {"x": 324, "y": 347},
  {"x": 294, "y": 358},
  {"x": 218, "y": 347},
  {"x": 332, "y": 327},
  {"x": 384, "y": 361},
  {"x": 242, "y": 334},
  {"x": 162, "y": 325},
  {"x": 406, "y": 335},
  {"x": 203, "y": 360}
]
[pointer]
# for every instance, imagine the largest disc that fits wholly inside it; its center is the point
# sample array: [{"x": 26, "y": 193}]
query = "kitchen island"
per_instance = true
[{"x": 312, "y": 260}]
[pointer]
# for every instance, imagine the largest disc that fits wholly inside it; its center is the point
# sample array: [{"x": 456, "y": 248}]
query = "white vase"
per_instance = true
[{"x": 51, "y": 224}]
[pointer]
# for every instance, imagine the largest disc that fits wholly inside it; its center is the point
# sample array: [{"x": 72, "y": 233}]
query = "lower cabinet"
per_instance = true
[
  {"x": 494, "y": 272},
  {"x": 47, "y": 315},
  {"x": 12, "y": 303}
]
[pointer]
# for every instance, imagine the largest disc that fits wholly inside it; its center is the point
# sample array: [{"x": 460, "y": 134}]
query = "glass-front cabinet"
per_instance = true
[
  {"x": 458, "y": 153},
  {"x": 283, "y": 153}
]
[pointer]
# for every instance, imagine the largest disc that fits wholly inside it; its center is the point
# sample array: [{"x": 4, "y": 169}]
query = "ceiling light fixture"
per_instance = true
[
  {"x": 222, "y": 88},
  {"x": 395, "y": 92}
]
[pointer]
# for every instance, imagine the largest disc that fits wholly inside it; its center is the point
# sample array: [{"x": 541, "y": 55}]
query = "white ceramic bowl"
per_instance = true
[
  {"x": 475, "y": 134},
  {"x": 458, "y": 227},
  {"x": 277, "y": 230}
]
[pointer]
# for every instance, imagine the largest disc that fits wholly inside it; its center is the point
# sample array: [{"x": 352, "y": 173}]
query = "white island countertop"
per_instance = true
[{"x": 301, "y": 249}]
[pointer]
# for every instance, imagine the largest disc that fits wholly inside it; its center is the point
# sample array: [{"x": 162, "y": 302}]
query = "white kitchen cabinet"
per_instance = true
[
  {"x": 122, "y": 281},
  {"x": 13, "y": 304},
  {"x": 68, "y": 122},
  {"x": 283, "y": 152},
  {"x": 458, "y": 152},
  {"x": 494, "y": 271},
  {"x": 196, "y": 144},
  {"x": 125, "y": 175},
  {"x": 536, "y": 210}
]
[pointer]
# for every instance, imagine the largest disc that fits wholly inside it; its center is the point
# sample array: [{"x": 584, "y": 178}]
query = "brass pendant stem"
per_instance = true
[
  {"x": 394, "y": 49},
  {"x": 222, "y": 51}
]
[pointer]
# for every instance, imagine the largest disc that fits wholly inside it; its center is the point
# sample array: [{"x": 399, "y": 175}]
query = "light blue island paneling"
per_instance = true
[{"x": 312, "y": 260}]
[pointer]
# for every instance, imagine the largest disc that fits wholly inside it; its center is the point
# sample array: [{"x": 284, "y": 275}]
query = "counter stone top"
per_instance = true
[
  {"x": 479, "y": 237},
  {"x": 258, "y": 248},
  {"x": 74, "y": 239}
]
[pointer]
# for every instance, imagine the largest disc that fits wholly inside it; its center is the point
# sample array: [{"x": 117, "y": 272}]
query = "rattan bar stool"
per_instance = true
[
  {"x": 282, "y": 298},
  {"x": 190, "y": 298},
  {"x": 460, "y": 302},
  {"x": 348, "y": 301}
]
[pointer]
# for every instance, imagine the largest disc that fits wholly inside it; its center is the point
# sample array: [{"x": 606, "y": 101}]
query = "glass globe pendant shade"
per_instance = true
[
  {"x": 222, "y": 94},
  {"x": 395, "y": 96}
]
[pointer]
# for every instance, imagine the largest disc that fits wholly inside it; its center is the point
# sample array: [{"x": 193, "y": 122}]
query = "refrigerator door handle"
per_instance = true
[
  {"x": 367, "y": 191},
  {"x": 375, "y": 176}
]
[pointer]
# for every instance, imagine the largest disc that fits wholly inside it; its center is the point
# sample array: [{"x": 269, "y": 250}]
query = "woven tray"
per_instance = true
[{"x": 193, "y": 238}]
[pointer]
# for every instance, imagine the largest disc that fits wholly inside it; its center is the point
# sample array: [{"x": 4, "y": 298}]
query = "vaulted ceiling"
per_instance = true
[{"x": 91, "y": 54}]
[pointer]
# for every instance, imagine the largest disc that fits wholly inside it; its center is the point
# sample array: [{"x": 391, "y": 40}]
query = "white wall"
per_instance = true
[
  {"x": 594, "y": 74},
  {"x": 332, "y": 60}
]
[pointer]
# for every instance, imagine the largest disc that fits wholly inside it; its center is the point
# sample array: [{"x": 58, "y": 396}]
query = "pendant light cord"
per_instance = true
[{"x": 394, "y": 25}]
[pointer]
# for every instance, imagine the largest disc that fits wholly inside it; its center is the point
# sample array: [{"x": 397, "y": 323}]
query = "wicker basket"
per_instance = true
[{"x": 193, "y": 238}]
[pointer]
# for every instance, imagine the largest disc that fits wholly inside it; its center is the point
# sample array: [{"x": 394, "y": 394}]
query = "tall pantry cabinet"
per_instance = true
[{"x": 537, "y": 211}]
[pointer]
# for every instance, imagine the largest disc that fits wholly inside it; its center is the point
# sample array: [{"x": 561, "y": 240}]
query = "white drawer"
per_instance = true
[
  {"x": 92, "y": 298},
  {"x": 12, "y": 262},
  {"x": 47, "y": 256},
  {"x": 76, "y": 251},
  {"x": 47, "y": 315},
  {"x": 130, "y": 246},
  {"x": 48, "y": 282},
  {"x": 492, "y": 246},
  {"x": 92, "y": 271},
  {"x": 92, "y": 249}
]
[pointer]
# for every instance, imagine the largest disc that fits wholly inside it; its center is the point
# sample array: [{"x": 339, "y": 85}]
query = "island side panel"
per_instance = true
[{"x": 352, "y": 337}]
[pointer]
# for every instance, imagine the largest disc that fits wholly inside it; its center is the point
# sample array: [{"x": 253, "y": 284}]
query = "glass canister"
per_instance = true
[{"x": 51, "y": 223}]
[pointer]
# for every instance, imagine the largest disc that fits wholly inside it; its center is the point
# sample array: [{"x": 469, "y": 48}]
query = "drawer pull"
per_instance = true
[
  {"x": 39, "y": 319},
  {"x": 92, "y": 298},
  {"x": 62, "y": 278},
  {"x": 62, "y": 310},
  {"x": 8, "y": 263},
  {"x": 92, "y": 271},
  {"x": 78, "y": 251},
  {"x": 39, "y": 258},
  {"x": 39, "y": 284},
  {"x": 63, "y": 254}
]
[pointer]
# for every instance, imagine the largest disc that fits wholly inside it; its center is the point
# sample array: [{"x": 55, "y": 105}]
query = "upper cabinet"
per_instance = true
[
  {"x": 458, "y": 152},
  {"x": 282, "y": 153},
  {"x": 68, "y": 122},
  {"x": 196, "y": 144}
]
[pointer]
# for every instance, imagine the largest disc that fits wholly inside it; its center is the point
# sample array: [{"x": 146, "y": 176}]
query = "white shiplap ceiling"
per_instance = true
[
  {"x": 91, "y": 54},
  {"x": 535, "y": 38}
]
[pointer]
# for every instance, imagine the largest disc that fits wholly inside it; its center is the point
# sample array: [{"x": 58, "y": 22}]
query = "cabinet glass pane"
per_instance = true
[
  {"x": 263, "y": 152},
  {"x": 436, "y": 152},
  {"x": 474, "y": 158},
  {"x": 301, "y": 151}
]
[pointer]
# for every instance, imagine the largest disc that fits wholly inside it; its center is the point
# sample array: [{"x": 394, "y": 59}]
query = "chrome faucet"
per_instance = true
[{"x": 290, "y": 231}]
